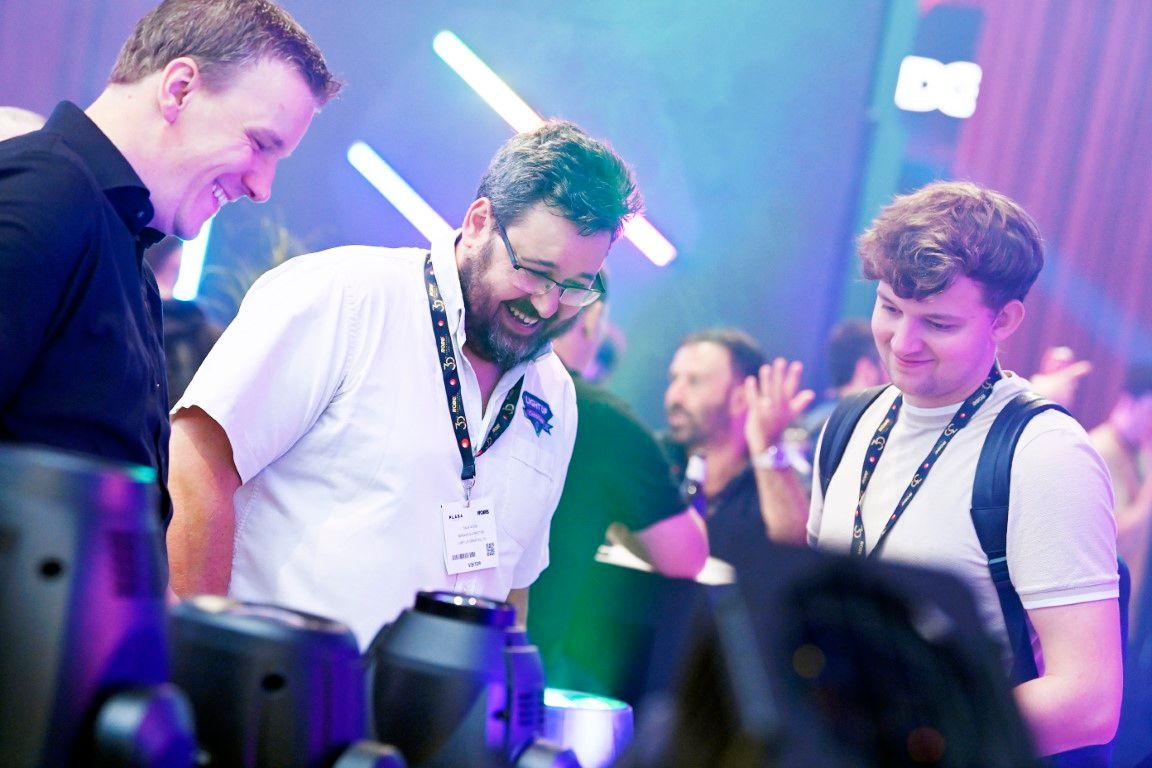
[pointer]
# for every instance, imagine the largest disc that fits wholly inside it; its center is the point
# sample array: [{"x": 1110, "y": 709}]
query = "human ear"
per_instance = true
[
  {"x": 478, "y": 218},
  {"x": 1008, "y": 319},
  {"x": 738, "y": 400},
  {"x": 178, "y": 79}
]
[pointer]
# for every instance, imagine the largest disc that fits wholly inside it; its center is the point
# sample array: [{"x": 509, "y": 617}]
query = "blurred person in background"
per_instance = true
[{"x": 1124, "y": 441}]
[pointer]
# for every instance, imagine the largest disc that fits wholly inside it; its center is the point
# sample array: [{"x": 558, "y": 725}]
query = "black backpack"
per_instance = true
[{"x": 990, "y": 518}]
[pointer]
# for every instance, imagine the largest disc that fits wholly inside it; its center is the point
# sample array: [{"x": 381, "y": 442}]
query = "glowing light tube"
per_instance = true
[
  {"x": 397, "y": 191},
  {"x": 187, "y": 286},
  {"x": 516, "y": 112},
  {"x": 485, "y": 82}
]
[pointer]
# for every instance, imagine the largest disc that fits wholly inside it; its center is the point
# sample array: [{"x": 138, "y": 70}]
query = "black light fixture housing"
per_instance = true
[
  {"x": 273, "y": 687},
  {"x": 83, "y": 651},
  {"x": 451, "y": 682}
]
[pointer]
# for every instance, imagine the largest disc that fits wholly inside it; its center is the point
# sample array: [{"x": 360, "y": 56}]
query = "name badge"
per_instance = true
[{"x": 469, "y": 535}]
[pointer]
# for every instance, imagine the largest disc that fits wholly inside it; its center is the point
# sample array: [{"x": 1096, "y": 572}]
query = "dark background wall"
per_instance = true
[{"x": 762, "y": 134}]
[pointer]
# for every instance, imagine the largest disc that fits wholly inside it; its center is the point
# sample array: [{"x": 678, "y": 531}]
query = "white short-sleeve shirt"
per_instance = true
[
  {"x": 328, "y": 386},
  {"x": 1061, "y": 528}
]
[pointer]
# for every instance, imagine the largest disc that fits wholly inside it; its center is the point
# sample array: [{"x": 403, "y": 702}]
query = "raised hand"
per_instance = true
[
  {"x": 774, "y": 401},
  {"x": 1059, "y": 375}
]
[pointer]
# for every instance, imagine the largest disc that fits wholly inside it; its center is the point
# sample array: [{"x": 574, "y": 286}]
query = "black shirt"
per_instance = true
[
  {"x": 81, "y": 355},
  {"x": 735, "y": 523}
]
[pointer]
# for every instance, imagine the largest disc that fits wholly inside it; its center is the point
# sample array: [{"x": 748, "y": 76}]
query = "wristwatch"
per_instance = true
[{"x": 773, "y": 457}]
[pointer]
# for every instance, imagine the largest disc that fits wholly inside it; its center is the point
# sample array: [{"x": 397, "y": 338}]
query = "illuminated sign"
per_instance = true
[{"x": 926, "y": 84}]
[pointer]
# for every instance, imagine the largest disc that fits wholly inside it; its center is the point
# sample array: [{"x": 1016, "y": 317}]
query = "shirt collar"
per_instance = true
[{"x": 116, "y": 177}]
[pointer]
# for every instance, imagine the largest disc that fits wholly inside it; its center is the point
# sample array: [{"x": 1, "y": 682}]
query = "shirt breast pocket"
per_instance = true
[{"x": 530, "y": 485}]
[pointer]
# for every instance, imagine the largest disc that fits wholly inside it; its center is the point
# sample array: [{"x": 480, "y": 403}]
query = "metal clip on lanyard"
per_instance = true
[
  {"x": 879, "y": 442},
  {"x": 449, "y": 372}
]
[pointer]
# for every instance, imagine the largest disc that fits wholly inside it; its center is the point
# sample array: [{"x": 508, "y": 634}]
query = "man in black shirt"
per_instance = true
[
  {"x": 715, "y": 410},
  {"x": 204, "y": 100},
  {"x": 707, "y": 403}
]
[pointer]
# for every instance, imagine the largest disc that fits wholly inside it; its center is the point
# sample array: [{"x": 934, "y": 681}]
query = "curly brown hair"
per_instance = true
[{"x": 922, "y": 242}]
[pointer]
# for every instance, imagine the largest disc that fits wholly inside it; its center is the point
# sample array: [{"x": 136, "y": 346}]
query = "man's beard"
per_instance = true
[
  {"x": 688, "y": 433},
  {"x": 695, "y": 430},
  {"x": 485, "y": 336}
]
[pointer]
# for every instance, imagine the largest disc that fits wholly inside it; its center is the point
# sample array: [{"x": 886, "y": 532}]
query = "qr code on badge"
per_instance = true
[{"x": 490, "y": 549}]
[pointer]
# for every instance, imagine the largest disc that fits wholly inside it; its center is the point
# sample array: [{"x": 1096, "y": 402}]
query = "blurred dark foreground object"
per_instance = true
[
  {"x": 273, "y": 687},
  {"x": 83, "y": 653},
  {"x": 834, "y": 662}
]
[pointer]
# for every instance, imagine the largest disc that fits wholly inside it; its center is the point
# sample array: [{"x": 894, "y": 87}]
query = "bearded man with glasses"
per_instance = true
[{"x": 380, "y": 421}]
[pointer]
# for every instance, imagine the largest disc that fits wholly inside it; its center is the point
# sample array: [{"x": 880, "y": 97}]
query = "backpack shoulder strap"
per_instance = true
[
  {"x": 990, "y": 491},
  {"x": 838, "y": 431},
  {"x": 990, "y": 516},
  {"x": 994, "y": 469}
]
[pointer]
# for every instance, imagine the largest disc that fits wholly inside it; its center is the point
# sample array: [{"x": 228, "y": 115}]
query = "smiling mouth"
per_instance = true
[
  {"x": 523, "y": 318},
  {"x": 220, "y": 195}
]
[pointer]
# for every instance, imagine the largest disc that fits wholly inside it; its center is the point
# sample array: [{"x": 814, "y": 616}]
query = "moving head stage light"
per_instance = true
[
  {"x": 273, "y": 687},
  {"x": 83, "y": 655},
  {"x": 453, "y": 684}
]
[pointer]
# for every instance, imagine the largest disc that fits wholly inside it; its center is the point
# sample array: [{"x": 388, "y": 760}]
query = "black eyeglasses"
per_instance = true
[{"x": 539, "y": 284}]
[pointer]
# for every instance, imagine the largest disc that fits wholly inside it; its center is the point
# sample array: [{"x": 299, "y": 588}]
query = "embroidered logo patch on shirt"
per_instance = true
[{"x": 538, "y": 412}]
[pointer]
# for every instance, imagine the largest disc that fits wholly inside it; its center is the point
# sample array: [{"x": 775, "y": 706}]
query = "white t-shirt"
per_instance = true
[
  {"x": 328, "y": 385},
  {"x": 1061, "y": 528}
]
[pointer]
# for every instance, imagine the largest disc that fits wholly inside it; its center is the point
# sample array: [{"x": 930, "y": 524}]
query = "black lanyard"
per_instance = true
[
  {"x": 880, "y": 440},
  {"x": 448, "y": 369}
]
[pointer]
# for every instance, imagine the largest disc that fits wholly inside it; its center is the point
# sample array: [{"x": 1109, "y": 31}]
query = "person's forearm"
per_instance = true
[
  {"x": 783, "y": 505},
  {"x": 1059, "y": 718},
  {"x": 1076, "y": 703},
  {"x": 677, "y": 545},
  {"x": 202, "y": 481}
]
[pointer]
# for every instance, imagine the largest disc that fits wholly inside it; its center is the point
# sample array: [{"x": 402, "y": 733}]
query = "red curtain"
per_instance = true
[{"x": 1064, "y": 126}]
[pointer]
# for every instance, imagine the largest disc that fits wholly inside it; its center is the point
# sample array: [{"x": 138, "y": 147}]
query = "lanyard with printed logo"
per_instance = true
[
  {"x": 960, "y": 420},
  {"x": 449, "y": 371}
]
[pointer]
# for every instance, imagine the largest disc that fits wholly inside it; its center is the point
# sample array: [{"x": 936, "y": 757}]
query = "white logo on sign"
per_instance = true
[{"x": 926, "y": 84}]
